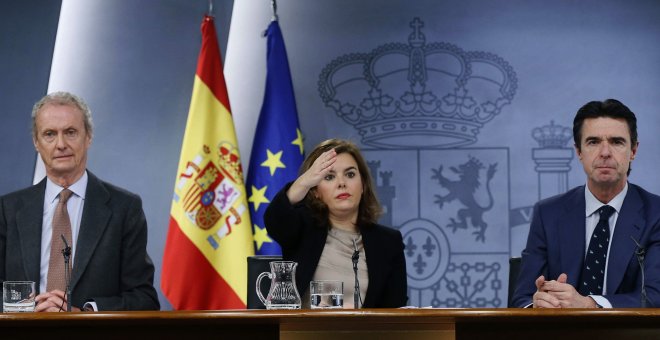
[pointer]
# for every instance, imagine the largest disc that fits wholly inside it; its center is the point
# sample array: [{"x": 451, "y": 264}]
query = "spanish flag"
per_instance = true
[{"x": 209, "y": 237}]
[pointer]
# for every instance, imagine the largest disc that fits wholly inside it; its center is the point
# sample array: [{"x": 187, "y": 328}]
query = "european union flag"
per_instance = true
[{"x": 277, "y": 150}]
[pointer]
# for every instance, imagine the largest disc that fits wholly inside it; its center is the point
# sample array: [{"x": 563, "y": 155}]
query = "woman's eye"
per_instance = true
[{"x": 328, "y": 177}]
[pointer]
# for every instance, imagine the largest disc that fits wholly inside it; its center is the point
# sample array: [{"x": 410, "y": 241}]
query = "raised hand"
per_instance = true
[{"x": 312, "y": 177}]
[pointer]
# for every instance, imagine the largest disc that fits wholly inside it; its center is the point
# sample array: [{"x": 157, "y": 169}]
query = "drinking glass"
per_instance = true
[
  {"x": 326, "y": 294},
  {"x": 18, "y": 296}
]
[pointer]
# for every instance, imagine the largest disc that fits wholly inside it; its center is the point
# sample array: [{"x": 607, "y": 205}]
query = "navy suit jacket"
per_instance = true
[
  {"x": 111, "y": 264},
  {"x": 556, "y": 245},
  {"x": 302, "y": 241}
]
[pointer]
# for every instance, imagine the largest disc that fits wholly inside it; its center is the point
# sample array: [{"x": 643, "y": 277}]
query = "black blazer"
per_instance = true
[
  {"x": 302, "y": 241},
  {"x": 111, "y": 265}
]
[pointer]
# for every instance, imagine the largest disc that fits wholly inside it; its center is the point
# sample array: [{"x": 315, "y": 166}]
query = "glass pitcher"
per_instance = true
[{"x": 283, "y": 293}]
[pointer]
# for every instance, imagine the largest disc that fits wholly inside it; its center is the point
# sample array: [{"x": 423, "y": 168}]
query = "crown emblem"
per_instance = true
[
  {"x": 229, "y": 160},
  {"x": 436, "y": 92},
  {"x": 552, "y": 136}
]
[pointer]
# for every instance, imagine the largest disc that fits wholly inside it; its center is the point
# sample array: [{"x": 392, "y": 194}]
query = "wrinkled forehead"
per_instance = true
[{"x": 59, "y": 114}]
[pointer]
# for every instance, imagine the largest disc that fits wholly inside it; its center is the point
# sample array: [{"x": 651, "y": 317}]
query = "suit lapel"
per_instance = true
[
  {"x": 628, "y": 224},
  {"x": 95, "y": 218},
  {"x": 572, "y": 235},
  {"x": 373, "y": 267},
  {"x": 29, "y": 221}
]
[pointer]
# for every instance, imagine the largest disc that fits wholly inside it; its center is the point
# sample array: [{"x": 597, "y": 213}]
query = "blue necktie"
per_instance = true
[{"x": 593, "y": 273}]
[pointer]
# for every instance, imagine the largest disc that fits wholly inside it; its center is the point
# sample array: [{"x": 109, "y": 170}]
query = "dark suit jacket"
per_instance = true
[
  {"x": 111, "y": 264},
  {"x": 302, "y": 241},
  {"x": 556, "y": 244}
]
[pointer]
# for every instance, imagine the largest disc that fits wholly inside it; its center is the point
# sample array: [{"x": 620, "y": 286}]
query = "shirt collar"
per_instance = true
[
  {"x": 78, "y": 188},
  {"x": 593, "y": 204}
]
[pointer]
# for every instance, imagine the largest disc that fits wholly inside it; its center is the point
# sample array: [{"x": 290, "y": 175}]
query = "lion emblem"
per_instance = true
[{"x": 464, "y": 191}]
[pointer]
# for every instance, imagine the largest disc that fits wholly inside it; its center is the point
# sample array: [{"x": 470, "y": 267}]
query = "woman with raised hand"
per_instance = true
[{"x": 321, "y": 217}]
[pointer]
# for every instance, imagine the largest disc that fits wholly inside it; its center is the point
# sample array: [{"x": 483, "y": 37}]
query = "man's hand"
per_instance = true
[
  {"x": 559, "y": 294},
  {"x": 52, "y": 301},
  {"x": 543, "y": 299}
]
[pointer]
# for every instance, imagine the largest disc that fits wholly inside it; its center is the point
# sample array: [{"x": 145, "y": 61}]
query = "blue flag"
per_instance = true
[{"x": 277, "y": 151}]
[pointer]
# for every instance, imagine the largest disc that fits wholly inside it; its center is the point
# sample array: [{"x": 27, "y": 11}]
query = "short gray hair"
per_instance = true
[{"x": 63, "y": 98}]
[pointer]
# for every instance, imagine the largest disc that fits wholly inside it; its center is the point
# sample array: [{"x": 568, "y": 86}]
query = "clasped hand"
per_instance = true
[
  {"x": 53, "y": 301},
  {"x": 559, "y": 294}
]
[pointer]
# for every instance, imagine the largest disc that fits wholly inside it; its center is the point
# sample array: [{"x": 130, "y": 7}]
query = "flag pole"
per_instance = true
[{"x": 273, "y": 5}]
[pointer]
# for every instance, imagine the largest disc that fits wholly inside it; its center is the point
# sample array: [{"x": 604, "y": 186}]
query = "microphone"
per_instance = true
[
  {"x": 357, "y": 300},
  {"x": 640, "y": 252},
  {"x": 66, "y": 252}
]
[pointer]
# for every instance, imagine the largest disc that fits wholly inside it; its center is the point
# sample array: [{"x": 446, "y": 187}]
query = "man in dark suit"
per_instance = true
[
  {"x": 105, "y": 225},
  {"x": 581, "y": 251}
]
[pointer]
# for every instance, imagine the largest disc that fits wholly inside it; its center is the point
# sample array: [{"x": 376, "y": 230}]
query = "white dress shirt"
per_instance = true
[
  {"x": 591, "y": 211},
  {"x": 74, "y": 207}
]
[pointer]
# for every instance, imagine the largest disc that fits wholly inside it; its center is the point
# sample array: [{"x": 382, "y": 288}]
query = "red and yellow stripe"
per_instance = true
[{"x": 198, "y": 273}]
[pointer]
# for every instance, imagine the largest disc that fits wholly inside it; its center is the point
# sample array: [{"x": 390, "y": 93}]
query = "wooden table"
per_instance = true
[{"x": 343, "y": 324}]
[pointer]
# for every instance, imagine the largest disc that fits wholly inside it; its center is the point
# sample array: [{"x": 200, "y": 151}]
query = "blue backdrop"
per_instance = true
[{"x": 461, "y": 107}]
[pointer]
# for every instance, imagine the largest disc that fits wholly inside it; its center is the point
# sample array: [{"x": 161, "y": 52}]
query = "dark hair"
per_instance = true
[
  {"x": 611, "y": 108},
  {"x": 369, "y": 208}
]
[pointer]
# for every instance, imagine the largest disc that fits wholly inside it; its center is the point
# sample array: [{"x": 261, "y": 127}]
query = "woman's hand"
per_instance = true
[{"x": 312, "y": 177}]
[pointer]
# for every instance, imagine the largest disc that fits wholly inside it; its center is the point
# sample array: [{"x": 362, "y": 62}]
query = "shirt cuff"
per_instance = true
[
  {"x": 90, "y": 306},
  {"x": 601, "y": 301}
]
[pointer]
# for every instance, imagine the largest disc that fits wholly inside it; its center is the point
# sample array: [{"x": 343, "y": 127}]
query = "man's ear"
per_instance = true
[{"x": 578, "y": 151}]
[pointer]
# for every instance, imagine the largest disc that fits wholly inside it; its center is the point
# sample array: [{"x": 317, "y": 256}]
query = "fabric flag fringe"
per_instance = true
[{"x": 209, "y": 236}]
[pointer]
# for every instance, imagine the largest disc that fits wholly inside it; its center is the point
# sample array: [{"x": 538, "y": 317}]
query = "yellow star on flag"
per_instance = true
[
  {"x": 258, "y": 196},
  {"x": 273, "y": 162},
  {"x": 299, "y": 140},
  {"x": 261, "y": 236}
]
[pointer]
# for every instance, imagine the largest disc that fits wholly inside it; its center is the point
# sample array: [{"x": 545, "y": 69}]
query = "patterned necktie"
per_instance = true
[
  {"x": 593, "y": 273},
  {"x": 61, "y": 226}
]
